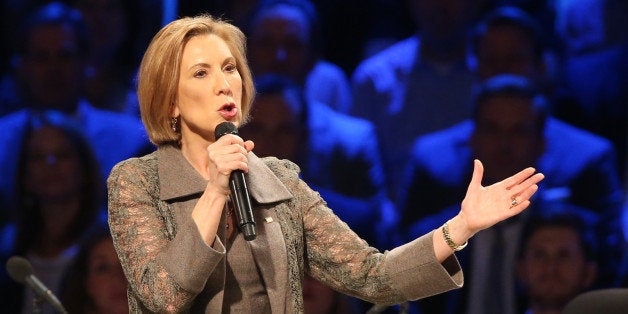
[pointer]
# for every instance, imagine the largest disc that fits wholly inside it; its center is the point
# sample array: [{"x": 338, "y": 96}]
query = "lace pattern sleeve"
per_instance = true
[
  {"x": 340, "y": 258},
  {"x": 140, "y": 232}
]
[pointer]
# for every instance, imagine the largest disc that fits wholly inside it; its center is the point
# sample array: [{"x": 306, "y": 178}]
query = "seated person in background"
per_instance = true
[
  {"x": 117, "y": 31},
  {"x": 284, "y": 38},
  {"x": 556, "y": 259},
  {"x": 494, "y": 283},
  {"x": 420, "y": 84},
  {"x": 337, "y": 153},
  {"x": 95, "y": 282},
  {"x": 51, "y": 64},
  {"x": 586, "y": 84},
  {"x": 511, "y": 127},
  {"x": 510, "y": 41},
  {"x": 507, "y": 40},
  {"x": 59, "y": 194}
]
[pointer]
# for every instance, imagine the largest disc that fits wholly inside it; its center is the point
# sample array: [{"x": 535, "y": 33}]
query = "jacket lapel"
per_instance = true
[
  {"x": 177, "y": 177},
  {"x": 269, "y": 248}
]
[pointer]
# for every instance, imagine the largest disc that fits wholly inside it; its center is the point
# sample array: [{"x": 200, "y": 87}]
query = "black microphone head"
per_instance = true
[
  {"x": 19, "y": 268},
  {"x": 225, "y": 128}
]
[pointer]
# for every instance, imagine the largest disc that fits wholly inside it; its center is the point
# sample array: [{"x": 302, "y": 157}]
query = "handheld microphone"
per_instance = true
[
  {"x": 20, "y": 270},
  {"x": 239, "y": 190}
]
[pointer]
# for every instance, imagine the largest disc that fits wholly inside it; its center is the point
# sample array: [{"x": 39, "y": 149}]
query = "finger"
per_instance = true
[
  {"x": 249, "y": 145},
  {"x": 518, "y": 177},
  {"x": 536, "y": 178},
  {"x": 230, "y": 139},
  {"x": 228, "y": 163},
  {"x": 527, "y": 193},
  {"x": 224, "y": 153},
  {"x": 478, "y": 173},
  {"x": 228, "y": 157},
  {"x": 512, "y": 211},
  {"x": 231, "y": 153}
]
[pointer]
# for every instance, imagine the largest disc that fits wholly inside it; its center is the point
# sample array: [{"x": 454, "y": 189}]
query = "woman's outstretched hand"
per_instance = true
[{"x": 484, "y": 206}]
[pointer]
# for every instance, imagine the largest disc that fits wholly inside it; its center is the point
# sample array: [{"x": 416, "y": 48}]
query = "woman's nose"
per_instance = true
[{"x": 222, "y": 85}]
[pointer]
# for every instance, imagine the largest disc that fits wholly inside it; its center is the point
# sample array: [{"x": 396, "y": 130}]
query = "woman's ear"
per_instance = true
[{"x": 174, "y": 110}]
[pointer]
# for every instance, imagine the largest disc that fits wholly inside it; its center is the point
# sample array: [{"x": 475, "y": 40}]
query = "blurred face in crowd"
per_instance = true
[
  {"x": 107, "y": 24},
  {"x": 210, "y": 88},
  {"x": 52, "y": 69},
  {"x": 280, "y": 43},
  {"x": 578, "y": 23},
  {"x": 444, "y": 20},
  {"x": 274, "y": 127},
  {"x": 554, "y": 268},
  {"x": 507, "y": 50},
  {"x": 506, "y": 136},
  {"x": 106, "y": 283},
  {"x": 53, "y": 166}
]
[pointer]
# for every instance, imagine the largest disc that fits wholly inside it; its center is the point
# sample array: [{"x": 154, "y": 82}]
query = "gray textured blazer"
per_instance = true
[{"x": 171, "y": 269}]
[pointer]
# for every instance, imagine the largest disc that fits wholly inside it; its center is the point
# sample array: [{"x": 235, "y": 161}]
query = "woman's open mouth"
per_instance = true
[{"x": 228, "y": 111}]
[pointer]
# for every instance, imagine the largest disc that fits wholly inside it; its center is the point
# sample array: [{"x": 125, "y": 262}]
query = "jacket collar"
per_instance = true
[{"x": 177, "y": 178}]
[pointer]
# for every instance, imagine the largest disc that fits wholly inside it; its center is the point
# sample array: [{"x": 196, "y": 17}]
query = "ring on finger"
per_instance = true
[{"x": 514, "y": 202}]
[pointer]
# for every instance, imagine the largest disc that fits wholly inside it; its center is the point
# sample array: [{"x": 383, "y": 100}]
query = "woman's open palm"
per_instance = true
[{"x": 484, "y": 206}]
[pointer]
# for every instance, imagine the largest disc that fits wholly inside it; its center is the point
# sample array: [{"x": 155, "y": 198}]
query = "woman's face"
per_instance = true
[
  {"x": 210, "y": 88},
  {"x": 106, "y": 284},
  {"x": 53, "y": 166}
]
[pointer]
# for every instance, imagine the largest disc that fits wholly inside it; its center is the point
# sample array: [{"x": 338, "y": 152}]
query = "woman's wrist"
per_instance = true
[
  {"x": 456, "y": 233},
  {"x": 447, "y": 237}
]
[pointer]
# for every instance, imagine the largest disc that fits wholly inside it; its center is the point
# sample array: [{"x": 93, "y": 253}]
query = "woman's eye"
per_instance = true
[
  {"x": 200, "y": 73},
  {"x": 230, "y": 68}
]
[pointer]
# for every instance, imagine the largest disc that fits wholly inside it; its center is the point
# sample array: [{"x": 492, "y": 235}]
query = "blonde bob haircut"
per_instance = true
[{"x": 158, "y": 77}]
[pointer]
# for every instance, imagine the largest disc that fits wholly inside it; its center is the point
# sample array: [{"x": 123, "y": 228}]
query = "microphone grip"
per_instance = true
[
  {"x": 242, "y": 202},
  {"x": 42, "y": 291}
]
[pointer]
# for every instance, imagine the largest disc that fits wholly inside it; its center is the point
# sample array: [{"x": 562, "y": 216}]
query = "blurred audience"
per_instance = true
[
  {"x": 418, "y": 85},
  {"x": 510, "y": 41},
  {"x": 595, "y": 69},
  {"x": 59, "y": 196},
  {"x": 284, "y": 38},
  {"x": 556, "y": 260},
  {"x": 337, "y": 153},
  {"x": 52, "y": 65},
  {"x": 507, "y": 40},
  {"x": 118, "y": 37},
  {"x": 511, "y": 129},
  {"x": 580, "y": 25},
  {"x": 357, "y": 29},
  {"x": 95, "y": 282}
]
